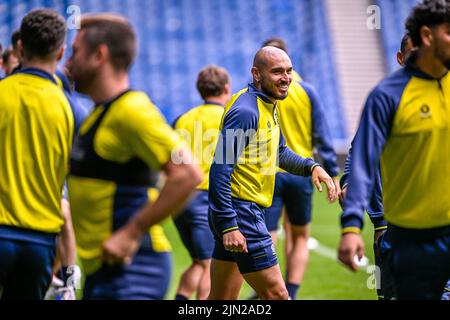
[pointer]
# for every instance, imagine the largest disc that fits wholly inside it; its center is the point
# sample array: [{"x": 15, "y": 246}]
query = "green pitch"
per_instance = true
[{"x": 325, "y": 279}]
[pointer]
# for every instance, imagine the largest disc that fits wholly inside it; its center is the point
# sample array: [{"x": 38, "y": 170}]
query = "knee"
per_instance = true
[
  {"x": 279, "y": 293},
  {"x": 300, "y": 232},
  {"x": 204, "y": 264}
]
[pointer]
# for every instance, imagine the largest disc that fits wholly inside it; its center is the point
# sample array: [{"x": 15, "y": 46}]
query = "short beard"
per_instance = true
[
  {"x": 84, "y": 82},
  {"x": 271, "y": 93},
  {"x": 446, "y": 64}
]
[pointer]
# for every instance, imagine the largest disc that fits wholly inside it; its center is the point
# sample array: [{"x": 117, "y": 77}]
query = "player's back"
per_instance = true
[
  {"x": 199, "y": 127},
  {"x": 36, "y": 126},
  {"x": 295, "y": 116}
]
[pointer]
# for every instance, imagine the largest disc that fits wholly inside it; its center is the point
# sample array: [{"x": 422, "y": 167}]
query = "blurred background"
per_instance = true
[
  {"x": 328, "y": 40},
  {"x": 333, "y": 45}
]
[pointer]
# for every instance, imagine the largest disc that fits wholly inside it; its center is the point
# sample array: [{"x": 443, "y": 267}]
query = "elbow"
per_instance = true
[
  {"x": 188, "y": 176},
  {"x": 196, "y": 175}
]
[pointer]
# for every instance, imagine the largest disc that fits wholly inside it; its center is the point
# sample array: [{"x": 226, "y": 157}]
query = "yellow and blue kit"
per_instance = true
[
  {"x": 199, "y": 128},
  {"x": 37, "y": 126},
  {"x": 304, "y": 126},
  {"x": 242, "y": 176},
  {"x": 382, "y": 248},
  {"x": 119, "y": 149},
  {"x": 404, "y": 130},
  {"x": 374, "y": 208}
]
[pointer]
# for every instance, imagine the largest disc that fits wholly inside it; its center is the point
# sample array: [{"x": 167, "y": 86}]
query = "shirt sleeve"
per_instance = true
[
  {"x": 234, "y": 137},
  {"x": 292, "y": 162},
  {"x": 79, "y": 112},
  {"x": 374, "y": 128},
  {"x": 321, "y": 135},
  {"x": 344, "y": 179},
  {"x": 375, "y": 209}
]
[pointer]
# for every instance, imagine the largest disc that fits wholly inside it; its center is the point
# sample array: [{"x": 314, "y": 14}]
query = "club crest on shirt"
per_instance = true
[{"x": 425, "y": 111}]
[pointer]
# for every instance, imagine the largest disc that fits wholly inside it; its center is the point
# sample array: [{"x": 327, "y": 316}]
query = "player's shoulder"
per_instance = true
[
  {"x": 393, "y": 85},
  {"x": 134, "y": 103}
]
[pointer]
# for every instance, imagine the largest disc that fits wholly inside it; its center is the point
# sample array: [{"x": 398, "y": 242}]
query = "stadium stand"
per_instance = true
[
  {"x": 393, "y": 15},
  {"x": 179, "y": 37}
]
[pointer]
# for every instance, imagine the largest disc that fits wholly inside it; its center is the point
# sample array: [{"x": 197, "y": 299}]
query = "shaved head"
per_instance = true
[
  {"x": 266, "y": 54},
  {"x": 272, "y": 72}
]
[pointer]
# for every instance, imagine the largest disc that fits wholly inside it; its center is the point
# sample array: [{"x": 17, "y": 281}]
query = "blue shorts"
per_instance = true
[
  {"x": 193, "y": 227},
  {"x": 420, "y": 262},
  {"x": 147, "y": 278},
  {"x": 261, "y": 251},
  {"x": 294, "y": 192},
  {"x": 382, "y": 254},
  {"x": 25, "y": 266}
]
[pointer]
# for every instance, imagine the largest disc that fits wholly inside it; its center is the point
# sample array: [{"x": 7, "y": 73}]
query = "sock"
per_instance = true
[
  {"x": 181, "y": 297},
  {"x": 292, "y": 289}
]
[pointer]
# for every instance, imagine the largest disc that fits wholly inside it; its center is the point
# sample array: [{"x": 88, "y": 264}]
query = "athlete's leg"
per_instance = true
[
  {"x": 287, "y": 235},
  {"x": 297, "y": 260},
  {"x": 298, "y": 201},
  {"x": 197, "y": 237},
  {"x": 191, "y": 279},
  {"x": 226, "y": 280},
  {"x": 205, "y": 282},
  {"x": 268, "y": 283}
]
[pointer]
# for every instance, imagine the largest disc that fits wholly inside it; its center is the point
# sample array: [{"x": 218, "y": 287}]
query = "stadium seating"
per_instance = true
[
  {"x": 393, "y": 16},
  {"x": 178, "y": 37}
]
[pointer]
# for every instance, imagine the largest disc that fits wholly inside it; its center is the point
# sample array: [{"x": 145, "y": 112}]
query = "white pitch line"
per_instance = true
[{"x": 324, "y": 251}]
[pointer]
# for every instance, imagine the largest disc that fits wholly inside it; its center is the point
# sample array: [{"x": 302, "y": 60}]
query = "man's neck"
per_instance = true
[
  {"x": 49, "y": 67},
  {"x": 427, "y": 63},
  {"x": 108, "y": 87},
  {"x": 222, "y": 100},
  {"x": 258, "y": 86}
]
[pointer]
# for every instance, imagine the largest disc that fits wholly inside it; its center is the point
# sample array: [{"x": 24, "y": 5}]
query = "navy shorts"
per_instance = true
[
  {"x": 294, "y": 192},
  {"x": 146, "y": 278},
  {"x": 420, "y": 262},
  {"x": 382, "y": 254},
  {"x": 25, "y": 266},
  {"x": 193, "y": 227},
  {"x": 261, "y": 251}
]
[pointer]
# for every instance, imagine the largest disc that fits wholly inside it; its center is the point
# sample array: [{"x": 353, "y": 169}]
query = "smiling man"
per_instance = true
[
  {"x": 242, "y": 181},
  {"x": 404, "y": 129}
]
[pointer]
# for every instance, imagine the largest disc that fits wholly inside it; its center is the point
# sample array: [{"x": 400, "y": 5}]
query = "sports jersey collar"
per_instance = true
[
  {"x": 212, "y": 103},
  {"x": 39, "y": 73},
  {"x": 253, "y": 90},
  {"x": 108, "y": 103},
  {"x": 416, "y": 72}
]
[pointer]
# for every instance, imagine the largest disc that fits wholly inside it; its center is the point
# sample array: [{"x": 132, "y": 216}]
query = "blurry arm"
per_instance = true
[
  {"x": 368, "y": 145},
  {"x": 66, "y": 247},
  {"x": 293, "y": 163}
]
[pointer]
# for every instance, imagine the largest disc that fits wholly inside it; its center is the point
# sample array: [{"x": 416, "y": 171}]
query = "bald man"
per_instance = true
[{"x": 242, "y": 181}]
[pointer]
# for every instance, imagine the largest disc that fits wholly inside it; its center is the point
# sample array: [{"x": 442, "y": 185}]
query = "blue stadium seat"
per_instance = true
[
  {"x": 179, "y": 37},
  {"x": 393, "y": 17}
]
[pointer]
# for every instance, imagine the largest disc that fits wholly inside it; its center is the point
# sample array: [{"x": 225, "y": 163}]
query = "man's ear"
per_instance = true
[
  {"x": 21, "y": 49},
  {"x": 227, "y": 88},
  {"x": 400, "y": 58},
  {"x": 426, "y": 35},
  {"x": 256, "y": 75},
  {"x": 60, "y": 54},
  {"x": 102, "y": 53}
]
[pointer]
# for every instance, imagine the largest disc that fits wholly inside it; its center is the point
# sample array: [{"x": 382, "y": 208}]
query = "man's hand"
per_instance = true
[
  {"x": 234, "y": 241},
  {"x": 351, "y": 245},
  {"x": 342, "y": 195},
  {"x": 318, "y": 176},
  {"x": 337, "y": 185},
  {"x": 122, "y": 245}
]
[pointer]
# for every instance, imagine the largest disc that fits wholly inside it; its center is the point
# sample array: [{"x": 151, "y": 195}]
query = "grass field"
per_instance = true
[{"x": 325, "y": 279}]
